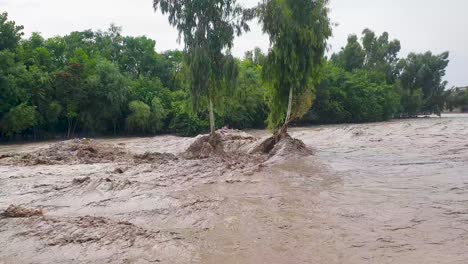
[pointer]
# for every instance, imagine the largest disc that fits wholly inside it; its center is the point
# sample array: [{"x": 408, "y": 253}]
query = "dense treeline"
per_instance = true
[
  {"x": 92, "y": 83},
  {"x": 103, "y": 83},
  {"x": 367, "y": 82}
]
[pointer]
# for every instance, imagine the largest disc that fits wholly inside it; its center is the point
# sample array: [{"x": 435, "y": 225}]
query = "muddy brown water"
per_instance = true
[{"x": 394, "y": 192}]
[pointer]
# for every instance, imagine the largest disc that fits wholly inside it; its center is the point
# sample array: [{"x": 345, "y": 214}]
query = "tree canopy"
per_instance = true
[
  {"x": 298, "y": 31},
  {"x": 208, "y": 29}
]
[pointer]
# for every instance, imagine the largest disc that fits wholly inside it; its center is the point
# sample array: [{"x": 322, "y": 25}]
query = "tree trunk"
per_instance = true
[
  {"x": 288, "y": 115},
  {"x": 284, "y": 129},
  {"x": 74, "y": 128},
  {"x": 212, "y": 118},
  {"x": 69, "y": 128}
]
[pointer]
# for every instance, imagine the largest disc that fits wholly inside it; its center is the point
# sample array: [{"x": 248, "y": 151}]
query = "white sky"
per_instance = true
[{"x": 420, "y": 25}]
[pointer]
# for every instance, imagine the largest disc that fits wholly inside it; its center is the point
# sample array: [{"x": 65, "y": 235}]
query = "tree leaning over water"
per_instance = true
[
  {"x": 298, "y": 31},
  {"x": 207, "y": 29}
]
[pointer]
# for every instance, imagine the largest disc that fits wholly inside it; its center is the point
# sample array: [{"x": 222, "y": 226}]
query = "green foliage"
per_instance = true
[
  {"x": 18, "y": 119},
  {"x": 208, "y": 29},
  {"x": 375, "y": 54},
  {"x": 91, "y": 83},
  {"x": 245, "y": 107},
  {"x": 353, "y": 97},
  {"x": 53, "y": 112},
  {"x": 138, "y": 57},
  {"x": 158, "y": 116},
  {"x": 411, "y": 103},
  {"x": 456, "y": 98},
  {"x": 298, "y": 31},
  {"x": 107, "y": 96},
  {"x": 424, "y": 73},
  {"x": 140, "y": 114},
  {"x": 184, "y": 122},
  {"x": 10, "y": 33},
  {"x": 418, "y": 79},
  {"x": 352, "y": 56}
]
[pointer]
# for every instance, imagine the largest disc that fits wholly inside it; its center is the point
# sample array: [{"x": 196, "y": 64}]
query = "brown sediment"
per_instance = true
[
  {"x": 77, "y": 151},
  {"x": 150, "y": 157},
  {"x": 206, "y": 146},
  {"x": 282, "y": 147}
]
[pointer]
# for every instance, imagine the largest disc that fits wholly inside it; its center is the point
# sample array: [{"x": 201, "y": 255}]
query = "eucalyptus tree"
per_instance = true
[
  {"x": 208, "y": 29},
  {"x": 298, "y": 31}
]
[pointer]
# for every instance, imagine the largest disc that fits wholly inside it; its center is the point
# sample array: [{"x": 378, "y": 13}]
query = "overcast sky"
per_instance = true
[{"x": 420, "y": 25}]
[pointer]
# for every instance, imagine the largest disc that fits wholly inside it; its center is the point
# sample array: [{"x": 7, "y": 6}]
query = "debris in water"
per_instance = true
[
  {"x": 14, "y": 211},
  {"x": 78, "y": 181},
  {"x": 119, "y": 171}
]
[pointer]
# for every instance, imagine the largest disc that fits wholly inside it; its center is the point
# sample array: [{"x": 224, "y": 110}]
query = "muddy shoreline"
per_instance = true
[{"x": 393, "y": 192}]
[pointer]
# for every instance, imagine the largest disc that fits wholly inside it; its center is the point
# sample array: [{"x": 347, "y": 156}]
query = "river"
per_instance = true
[{"x": 393, "y": 192}]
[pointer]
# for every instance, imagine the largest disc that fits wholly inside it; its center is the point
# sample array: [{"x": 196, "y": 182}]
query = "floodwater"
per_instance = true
[{"x": 394, "y": 192}]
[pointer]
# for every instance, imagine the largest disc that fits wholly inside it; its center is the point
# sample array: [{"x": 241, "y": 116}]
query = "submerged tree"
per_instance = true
[
  {"x": 298, "y": 31},
  {"x": 207, "y": 28}
]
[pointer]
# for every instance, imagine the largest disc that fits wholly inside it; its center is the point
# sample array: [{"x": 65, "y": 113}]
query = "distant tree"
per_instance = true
[
  {"x": 456, "y": 97},
  {"x": 298, "y": 31},
  {"x": 139, "y": 57},
  {"x": 352, "y": 56},
  {"x": 108, "y": 91},
  {"x": 208, "y": 29},
  {"x": 256, "y": 56},
  {"x": 18, "y": 119},
  {"x": 158, "y": 115},
  {"x": 169, "y": 67},
  {"x": 381, "y": 54},
  {"x": 353, "y": 97},
  {"x": 424, "y": 73},
  {"x": 11, "y": 90},
  {"x": 246, "y": 107},
  {"x": 138, "y": 121},
  {"x": 10, "y": 33},
  {"x": 68, "y": 85}
]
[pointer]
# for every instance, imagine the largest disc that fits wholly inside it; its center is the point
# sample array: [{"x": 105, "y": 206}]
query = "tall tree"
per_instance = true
[
  {"x": 381, "y": 54},
  {"x": 298, "y": 31},
  {"x": 208, "y": 28}
]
